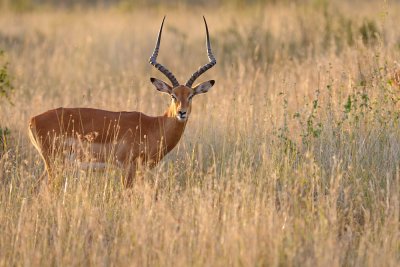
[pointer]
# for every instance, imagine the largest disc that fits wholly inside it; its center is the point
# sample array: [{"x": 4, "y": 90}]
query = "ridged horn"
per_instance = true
[
  {"x": 158, "y": 66},
  {"x": 207, "y": 66}
]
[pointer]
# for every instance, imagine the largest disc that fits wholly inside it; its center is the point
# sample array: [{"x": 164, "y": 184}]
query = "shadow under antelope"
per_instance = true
[{"x": 94, "y": 138}]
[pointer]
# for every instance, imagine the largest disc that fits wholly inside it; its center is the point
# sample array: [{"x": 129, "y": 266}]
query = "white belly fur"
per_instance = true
[{"x": 86, "y": 155}]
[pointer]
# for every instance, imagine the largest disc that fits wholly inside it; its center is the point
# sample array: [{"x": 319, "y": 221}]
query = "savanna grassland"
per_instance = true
[{"x": 291, "y": 159}]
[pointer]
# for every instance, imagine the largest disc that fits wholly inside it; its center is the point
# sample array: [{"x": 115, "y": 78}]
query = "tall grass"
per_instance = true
[{"x": 292, "y": 159}]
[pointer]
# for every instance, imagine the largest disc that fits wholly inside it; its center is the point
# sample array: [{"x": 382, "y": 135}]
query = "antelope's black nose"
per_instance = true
[{"x": 181, "y": 115}]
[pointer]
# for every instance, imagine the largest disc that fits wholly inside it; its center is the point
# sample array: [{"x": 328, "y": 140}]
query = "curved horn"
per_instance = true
[
  {"x": 158, "y": 66},
  {"x": 206, "y": 67}
]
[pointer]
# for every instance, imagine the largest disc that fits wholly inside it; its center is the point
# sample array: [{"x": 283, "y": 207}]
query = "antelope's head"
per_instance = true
[{"x": 181, "y": 95}]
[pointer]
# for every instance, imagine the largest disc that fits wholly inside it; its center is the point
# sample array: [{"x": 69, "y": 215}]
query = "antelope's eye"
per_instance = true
[
  {"x": 190, "y": 97},
  {"x": 173, "y": 98}
]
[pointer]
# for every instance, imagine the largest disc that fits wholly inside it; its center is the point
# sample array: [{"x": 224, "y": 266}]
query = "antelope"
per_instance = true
[{"x": 94, "y": 137}]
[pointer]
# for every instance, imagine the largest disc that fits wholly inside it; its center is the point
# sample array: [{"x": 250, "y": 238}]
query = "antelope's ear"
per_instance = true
[
  {"x": 161, "y": 86},
  {"x": 202, "y": 88}
]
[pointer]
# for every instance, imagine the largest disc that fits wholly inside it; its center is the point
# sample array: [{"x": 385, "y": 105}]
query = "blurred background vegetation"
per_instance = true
[
  {"x": 26, "y": 5},
  {"x": 29, "y": 5}
]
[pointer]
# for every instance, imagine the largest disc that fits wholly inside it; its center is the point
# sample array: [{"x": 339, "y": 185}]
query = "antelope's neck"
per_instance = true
[{"x": 173, "y": 129}]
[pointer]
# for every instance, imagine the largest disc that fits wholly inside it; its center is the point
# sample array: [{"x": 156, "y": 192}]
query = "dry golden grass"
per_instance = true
[{"x": 292, "y": 159}]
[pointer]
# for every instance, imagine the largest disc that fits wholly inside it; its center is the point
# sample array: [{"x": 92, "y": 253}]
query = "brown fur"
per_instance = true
[{"x": 128, "y": 138}]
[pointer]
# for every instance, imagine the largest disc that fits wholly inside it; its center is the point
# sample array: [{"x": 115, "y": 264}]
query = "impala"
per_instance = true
[{"x": 93, "y": 137}]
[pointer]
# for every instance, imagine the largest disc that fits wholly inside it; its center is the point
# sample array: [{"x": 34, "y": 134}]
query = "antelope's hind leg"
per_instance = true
[{"x": 46, "y": 175}]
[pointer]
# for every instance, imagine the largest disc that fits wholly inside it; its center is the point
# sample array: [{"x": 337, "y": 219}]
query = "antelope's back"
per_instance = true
[{"x": 94, "y": 125}]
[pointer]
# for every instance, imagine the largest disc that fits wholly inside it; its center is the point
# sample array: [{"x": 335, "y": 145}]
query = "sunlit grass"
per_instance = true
[{"x": 291, "y": 159}]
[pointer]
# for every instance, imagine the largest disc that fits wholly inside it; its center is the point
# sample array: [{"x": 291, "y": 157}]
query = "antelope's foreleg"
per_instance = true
[{"x": 129, "y": 176}]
